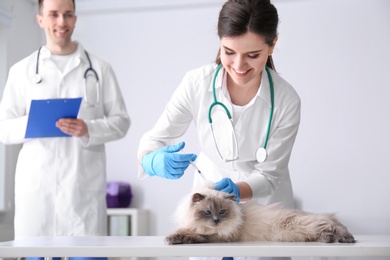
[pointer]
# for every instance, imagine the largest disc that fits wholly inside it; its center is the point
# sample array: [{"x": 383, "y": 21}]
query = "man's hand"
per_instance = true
[{"x": 73, "y": 127}]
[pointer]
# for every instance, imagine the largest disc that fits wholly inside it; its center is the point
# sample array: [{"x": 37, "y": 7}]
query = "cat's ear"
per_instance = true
[
  {"x": 197, "y": 197},
  {"x": 231, "y": 197}
]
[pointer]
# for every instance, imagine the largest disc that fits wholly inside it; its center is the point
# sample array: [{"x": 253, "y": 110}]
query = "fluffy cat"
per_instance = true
[{"x": 210, "y": 216}]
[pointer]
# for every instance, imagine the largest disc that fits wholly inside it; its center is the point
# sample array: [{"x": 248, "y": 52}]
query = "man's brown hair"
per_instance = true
[{"x": 40, "y": 5}]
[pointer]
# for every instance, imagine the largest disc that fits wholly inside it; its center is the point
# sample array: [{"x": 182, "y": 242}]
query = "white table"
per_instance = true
[{"x": 154, "y": 246}]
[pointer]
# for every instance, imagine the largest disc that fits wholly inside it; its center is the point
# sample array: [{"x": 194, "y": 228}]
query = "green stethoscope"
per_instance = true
[{"x": 227, "y": 146}]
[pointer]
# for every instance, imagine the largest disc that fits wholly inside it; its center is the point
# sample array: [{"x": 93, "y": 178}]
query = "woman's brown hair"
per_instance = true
[{"x": 238, "y": 17}]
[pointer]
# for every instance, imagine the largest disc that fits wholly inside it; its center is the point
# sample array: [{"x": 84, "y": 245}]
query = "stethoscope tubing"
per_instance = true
[
  {"x": 38, "y": 79},
  {"x": 90, "y": 69},
  {"x": 271, "y": 113},
  {"x": 217, "y": 103},
  {"x": 37, "y": 63}
]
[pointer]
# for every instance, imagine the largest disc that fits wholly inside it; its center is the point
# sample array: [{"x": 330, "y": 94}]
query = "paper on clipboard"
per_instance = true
[{"x": 44, "y": 114}]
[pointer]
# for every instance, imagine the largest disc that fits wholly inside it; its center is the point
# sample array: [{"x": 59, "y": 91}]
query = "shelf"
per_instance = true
[{"x": 136, "y": 221}]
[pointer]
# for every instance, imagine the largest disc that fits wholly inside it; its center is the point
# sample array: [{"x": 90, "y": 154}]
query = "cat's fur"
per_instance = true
[{"x": 210, "y": 216}]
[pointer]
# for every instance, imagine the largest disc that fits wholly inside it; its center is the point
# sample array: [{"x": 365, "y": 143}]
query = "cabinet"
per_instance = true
[{"x": 127, "y": 221}]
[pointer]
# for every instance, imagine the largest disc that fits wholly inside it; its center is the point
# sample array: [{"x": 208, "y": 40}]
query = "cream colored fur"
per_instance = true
[{"x": 207, "y": 215}]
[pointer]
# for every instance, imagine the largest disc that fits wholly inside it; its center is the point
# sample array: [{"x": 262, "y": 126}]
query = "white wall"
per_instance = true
[
  {"x": 19, "y": 37},
  {"x": 336, "y": 54}
]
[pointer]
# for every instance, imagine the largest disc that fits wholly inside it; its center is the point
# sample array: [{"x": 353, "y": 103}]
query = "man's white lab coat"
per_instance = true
[{"x": 60, "y": 183}]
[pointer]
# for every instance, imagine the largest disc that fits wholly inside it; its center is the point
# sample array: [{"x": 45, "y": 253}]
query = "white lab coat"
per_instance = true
[
  {"x": 60, "y": 183},
  {"x": 270, "y": 181}
]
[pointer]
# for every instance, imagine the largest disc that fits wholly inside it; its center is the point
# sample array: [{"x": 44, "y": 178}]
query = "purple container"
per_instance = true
[{"x": 118, "y": 194}]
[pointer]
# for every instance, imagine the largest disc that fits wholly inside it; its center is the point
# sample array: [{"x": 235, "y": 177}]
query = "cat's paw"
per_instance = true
[
  {"x": 178, "y": 238},
  {"x": 347, "y": 238},
  {"x": 327, "y": 237},
  {"x": 174, "y": 239}
]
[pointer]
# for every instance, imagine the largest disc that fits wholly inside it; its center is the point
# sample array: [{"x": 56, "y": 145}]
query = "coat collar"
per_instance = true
[
  {"x": 80, "y": 53},
  {"x": 263, "y": 92}
]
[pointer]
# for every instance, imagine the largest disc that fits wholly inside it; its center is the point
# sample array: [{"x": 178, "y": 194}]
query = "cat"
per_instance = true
[{"x": 210, "y": 216}]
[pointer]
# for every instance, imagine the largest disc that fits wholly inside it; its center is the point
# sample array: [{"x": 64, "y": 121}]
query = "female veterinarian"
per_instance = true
[{"x": 246, "y": 115}]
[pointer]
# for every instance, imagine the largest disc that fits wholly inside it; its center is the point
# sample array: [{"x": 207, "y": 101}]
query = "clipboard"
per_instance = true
[{"x": 44, "y": 114}]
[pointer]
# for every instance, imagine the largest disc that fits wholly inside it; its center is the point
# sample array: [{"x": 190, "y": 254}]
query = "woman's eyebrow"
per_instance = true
[
  {"x": 227, "y": 48},
  {"x": 249, "y": 52}
]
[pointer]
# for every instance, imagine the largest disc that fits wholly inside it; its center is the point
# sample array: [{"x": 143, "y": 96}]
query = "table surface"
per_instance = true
[{"x": 154, "y": 246}]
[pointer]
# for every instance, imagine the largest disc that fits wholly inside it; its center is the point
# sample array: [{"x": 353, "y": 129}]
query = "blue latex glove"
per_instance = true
[
  {"x": 228, "y": 186},
  {"x": 166, "y": 163}
]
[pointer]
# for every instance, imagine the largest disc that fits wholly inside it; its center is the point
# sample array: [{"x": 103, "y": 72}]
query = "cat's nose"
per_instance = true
[{"x": 216, "y": 221}]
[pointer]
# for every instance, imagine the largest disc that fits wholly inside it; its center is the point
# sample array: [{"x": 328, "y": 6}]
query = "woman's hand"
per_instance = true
[{"x": 228, "y": 186}]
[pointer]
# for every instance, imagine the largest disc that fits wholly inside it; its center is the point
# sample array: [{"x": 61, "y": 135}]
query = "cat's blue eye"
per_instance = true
[
  {"x": 207, "y": 212},
  {"x": 222, "y": 211}
]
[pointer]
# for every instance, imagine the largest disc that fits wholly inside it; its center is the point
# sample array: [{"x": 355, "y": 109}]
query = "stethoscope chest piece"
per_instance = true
[
  {"x": 36, "y": 78},
  {"x": 261, "y": 155}
]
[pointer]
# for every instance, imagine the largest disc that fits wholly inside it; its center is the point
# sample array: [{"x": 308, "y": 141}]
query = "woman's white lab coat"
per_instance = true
[
  {"x": 60, "y": 183},
  {"x": 270, "y": 181}
]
